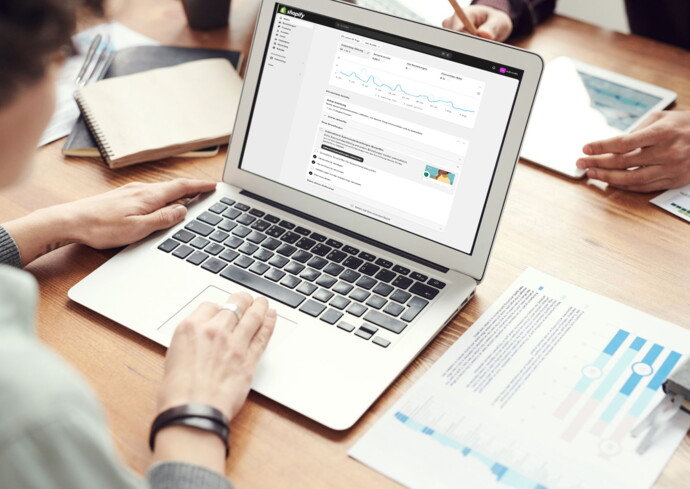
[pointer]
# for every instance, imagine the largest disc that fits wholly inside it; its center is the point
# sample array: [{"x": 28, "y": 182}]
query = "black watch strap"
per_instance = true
[{"x": 200, "y": 416}]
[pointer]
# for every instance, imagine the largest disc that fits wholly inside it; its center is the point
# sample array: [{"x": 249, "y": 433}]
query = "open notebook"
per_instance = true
[{"x": 163, "y": 112}]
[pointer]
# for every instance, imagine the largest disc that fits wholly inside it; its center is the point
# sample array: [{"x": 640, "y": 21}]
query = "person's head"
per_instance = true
[{"x": 33, "y": 37}]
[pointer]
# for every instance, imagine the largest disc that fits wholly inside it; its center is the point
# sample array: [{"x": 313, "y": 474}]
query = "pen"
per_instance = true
[{"x": 463, "y": 17}]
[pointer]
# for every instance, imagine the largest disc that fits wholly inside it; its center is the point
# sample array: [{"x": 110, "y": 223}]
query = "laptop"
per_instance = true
[{"x": 369, "y": 164}]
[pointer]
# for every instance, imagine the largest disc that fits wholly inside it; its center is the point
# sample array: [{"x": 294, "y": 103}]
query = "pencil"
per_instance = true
[{"x": 463, "y": 17}]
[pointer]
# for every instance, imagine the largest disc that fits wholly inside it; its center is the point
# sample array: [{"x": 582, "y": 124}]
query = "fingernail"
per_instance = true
[
  {"x": 581, "y": 164},
  {"x": 271, "y": 313},
  {"x": 180, "y": 211},
  {"x": 592, "y": 173},
  {"x": 587, "y": 149}
]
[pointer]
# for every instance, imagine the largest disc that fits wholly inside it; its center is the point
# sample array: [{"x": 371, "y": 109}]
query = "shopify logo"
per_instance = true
[{"x": 285, "y": 11}]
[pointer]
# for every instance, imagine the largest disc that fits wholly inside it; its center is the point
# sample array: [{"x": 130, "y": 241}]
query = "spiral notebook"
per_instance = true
[{"x": 161, "y": 113}]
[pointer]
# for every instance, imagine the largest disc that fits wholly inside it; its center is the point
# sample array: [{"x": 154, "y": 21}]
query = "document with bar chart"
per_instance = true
[{"x": 541, "y": 392}]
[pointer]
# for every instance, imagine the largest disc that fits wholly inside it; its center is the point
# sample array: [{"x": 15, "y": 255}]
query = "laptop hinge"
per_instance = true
[{"x": 347, "y": 232}]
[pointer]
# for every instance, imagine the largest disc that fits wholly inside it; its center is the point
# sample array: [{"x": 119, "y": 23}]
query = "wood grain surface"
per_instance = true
[{"x": 611, "y": 242}]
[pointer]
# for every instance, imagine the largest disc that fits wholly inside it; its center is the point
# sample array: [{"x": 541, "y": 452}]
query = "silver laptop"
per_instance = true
[{"x": 369, "y": 165}]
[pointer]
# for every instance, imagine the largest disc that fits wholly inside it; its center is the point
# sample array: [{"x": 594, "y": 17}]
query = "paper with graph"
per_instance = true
[{"x": 541, "y": 392}]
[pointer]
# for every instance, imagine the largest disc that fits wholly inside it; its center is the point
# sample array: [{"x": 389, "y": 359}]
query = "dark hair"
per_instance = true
[{"x": 32, "y": 32}]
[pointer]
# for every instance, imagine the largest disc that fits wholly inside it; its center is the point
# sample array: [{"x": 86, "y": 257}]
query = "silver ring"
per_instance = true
[{"x": 234, "y": 308}]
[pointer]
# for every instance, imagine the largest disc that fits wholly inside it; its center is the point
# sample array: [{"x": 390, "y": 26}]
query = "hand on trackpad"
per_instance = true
[{"x": 282, "y": 330}]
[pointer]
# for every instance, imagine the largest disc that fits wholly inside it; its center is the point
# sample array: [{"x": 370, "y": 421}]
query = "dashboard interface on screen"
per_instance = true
[{"x": 396, "y": 130}]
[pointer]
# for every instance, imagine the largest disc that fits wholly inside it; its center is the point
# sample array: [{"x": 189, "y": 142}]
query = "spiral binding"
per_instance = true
[{"x": 99, "y": 136}]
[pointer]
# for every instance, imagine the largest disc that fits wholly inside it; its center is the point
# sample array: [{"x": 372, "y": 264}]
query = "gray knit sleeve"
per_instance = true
[
  {"x": 9, "y": 252},
  {"x": 179, "y": 475}
]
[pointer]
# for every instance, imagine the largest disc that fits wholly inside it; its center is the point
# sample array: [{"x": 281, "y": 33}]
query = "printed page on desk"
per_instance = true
[{"x": 541, "y": 392}]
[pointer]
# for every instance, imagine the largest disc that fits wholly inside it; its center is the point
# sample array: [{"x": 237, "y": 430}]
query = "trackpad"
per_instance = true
[{"x": 284, "y": 326}]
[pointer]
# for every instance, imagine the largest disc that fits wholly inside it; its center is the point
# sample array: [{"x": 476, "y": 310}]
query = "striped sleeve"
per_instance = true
[{"x": 9, "y": 252}]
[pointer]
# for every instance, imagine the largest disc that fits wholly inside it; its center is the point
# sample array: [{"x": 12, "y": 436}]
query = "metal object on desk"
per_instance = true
[{"x": 98, "y": 58}]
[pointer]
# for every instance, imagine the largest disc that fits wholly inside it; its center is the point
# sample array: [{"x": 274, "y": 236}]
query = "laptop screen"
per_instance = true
[{"x": 397, "y": 130}]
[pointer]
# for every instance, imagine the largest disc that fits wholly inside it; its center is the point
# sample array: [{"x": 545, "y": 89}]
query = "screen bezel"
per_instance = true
[{"x": 473, "y": 264}]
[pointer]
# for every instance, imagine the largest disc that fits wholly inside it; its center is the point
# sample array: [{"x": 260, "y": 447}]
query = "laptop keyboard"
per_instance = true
[{"x": 303, "y": 269}]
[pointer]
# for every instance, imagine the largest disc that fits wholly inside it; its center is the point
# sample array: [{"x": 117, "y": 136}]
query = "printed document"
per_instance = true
[{"x": 676, "y": 201}]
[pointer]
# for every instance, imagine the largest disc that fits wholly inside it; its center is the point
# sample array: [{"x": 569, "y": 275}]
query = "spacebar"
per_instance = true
[{"x": 262, "y": 286}]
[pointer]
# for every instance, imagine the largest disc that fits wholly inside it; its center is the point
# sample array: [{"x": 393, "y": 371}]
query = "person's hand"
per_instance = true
[
  {"x": 116, "y": 218},
  {"x": 655, "y": 156},
  {"x": 211, "y": 360},
  {"x": 491, "y": 23}
]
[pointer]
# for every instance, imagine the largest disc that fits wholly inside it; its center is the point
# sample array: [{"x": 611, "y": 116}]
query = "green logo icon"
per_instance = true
[
  {"x": 427, "y": 174},
  {"x": 283, "y": 10}
]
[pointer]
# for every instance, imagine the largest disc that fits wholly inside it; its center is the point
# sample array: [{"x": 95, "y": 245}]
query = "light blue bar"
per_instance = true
[
  {"x": 614, "y": 406},
  {"x": 634, "y": 378},
  {"x": 641, "y": 403},
  {"x": 664, "y": 371},
  {"x": 615, "y": 373},
  {"x": 616, "y": 342},
  {"x": 584, "y": 383}
]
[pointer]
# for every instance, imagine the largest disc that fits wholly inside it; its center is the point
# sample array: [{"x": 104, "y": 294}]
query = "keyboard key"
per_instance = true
[
  {"x": 323, "y": 295},
  {"x": 312, "y": 308},
  {"x": 333, "y": 269},
  {"x": 199, "y": 242},
  {"x": 275, "y": 274},
  {"x": 401, "y": 296},
  {"x": 337, "y": 256},
  {"x": 286, "y": 250},
  {"x": 183, "y": 251},
  {"x": 384, "y": 263},
  {"x": 305, "y": 243},
  {"x": 214, "y": 265},
  {"x": 227, "y": 225},
  {"x": 209, "y": 218},
  {"x": 317, "y": 262},
  {"x": 219, "y": 236},
  {"x": 272, "y": 219},
  {"x": 271, "y": 244},
  {"x": 231, "y": 213},
  {"x": 310, "y": 274},
  {"x": 294, "y": 268},
  {"x": 366, "y": 282},
  {"x": 321, "y": 249},
  {"x": 302, "y": 256},
  {"x": 257, "y": 213},
  {"x": 262, "y": 286},
  {"x": 306, "y": 288},
  {"x": 229, "y": 255},
  {"x": 346, "y": 326},
  {"x": 286, "y": 224},
  {"x": 199, "y": 228},
  {"x": 241, "y": 231},
  {"x": 275, "y": 231},
  {"x": 342, "y": 288},
  {"x": 218, "y": 208},
  {"x": 402, "y": 282},
  {"x": 331, "y": 316},
  {"x": 318, "y": 237},
  {"x": 383, "y": 289},
  {"x": 415, "y": 307},
  {"x": 214, "y": 249},
  {"x": 168, "y": 245},
  {"x": 290, "y": 281},
  {"x": 258, "y": 268},
  {"x": 326, "y": 281},
  {"x": 401, "y": 270},
  {"x": 340, "y": 302},
  {"x": 233, "y": 242},
  {"x": 369, "y": 269},
  {"x": 424, "y": 290},
  {"x": 385, "y": 275},
  {"x": 350, "y": 276},
  {"x": 350, "y": 249},
  {"x": 333, "y": 243},
  {"x": 261, "y": 225},
  {"x": 248, "y": 248},
  {"x": 256, "y": 237},
  {"x": 303, "y": 231},
  {"x": 290, "y": 237},
  {"x": 365, "y": 333},
  {"x": 356, "y": 309},
  {"x": 197, "y": 258},
  {"x": 418, "y": 276},
  {"x": 359, "y": 295},
  {"x": 381, "y": 342},
  {"x": 278, "y": 261},
  {"x": 263, "y": 254},
  {"x": 436, "y": 283},
  {"x": 375, "y": 301},
  {"x": 242, "y": 207},
  {"x": 366, "y": 256},
  {"x": 353, "y": 263},
  {"x": 394, "y": 309},
  {"x": 243, "y": 261},
  {"x": 184, "y": 236},
  {"x": 385, "y": 321},
  {"x": 227, "y": 201}
]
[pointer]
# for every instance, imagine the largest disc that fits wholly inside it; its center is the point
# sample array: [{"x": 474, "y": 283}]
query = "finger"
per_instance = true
[
  {"x": 625, "y": 143},
  {"x": 250, "y": 323},
  {"x": 203, "y": 312},
  {"x": 637, "y": 157},
  {"x": 626, "y": 178},
  {"x": 663, "y": 184},
  {"x": 228, "y": 319},
  {"x": 162, "y": 218},
  {"x": 165, "y": 192},
  {"x": 262, "y": 337}
]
